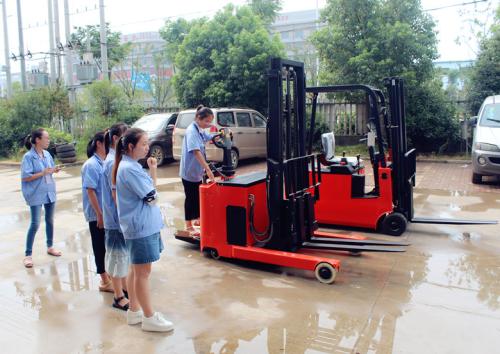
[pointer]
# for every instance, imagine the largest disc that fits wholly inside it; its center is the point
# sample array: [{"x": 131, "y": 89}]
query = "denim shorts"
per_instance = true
[
  {"x": 117, "y": 259},
  {"x": 145, "y": 249}
]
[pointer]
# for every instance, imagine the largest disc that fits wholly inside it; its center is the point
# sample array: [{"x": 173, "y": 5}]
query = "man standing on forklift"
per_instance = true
[{"x": 193, "y": 165}]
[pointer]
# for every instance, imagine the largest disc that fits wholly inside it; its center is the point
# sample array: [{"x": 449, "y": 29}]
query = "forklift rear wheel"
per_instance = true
[
  {"x": 394, "y": 224},
  {"x": 325, "y": 273},
  {"x": 214, "y": 254}
]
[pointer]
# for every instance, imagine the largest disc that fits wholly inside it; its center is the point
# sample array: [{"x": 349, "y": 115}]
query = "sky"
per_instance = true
[{"x": 129, "y": 16}]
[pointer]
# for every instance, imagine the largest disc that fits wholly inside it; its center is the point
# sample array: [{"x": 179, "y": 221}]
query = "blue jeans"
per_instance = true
[{"x": 35, "y": 223}]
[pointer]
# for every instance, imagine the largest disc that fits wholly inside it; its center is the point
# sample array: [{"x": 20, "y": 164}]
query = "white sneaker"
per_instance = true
[
  {"x": 156, "y": 323},
  {"x": 134, "y": 317}
]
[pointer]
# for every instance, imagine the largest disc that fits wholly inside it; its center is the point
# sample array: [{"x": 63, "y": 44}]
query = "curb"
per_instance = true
[{"x": 461, "y": 162}]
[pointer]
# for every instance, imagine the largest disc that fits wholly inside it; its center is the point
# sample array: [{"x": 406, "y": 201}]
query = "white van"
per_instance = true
[
  {"x": 486, "y": 143},
  {"x": 248, "y": 128}
]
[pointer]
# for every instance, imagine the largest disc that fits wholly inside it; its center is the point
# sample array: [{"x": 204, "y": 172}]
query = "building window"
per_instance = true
[{"x": 299, "y": 34}]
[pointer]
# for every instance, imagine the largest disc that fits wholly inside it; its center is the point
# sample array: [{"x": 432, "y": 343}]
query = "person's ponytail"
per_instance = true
[
  {"x": 27, "y": 142},
  {"x": 92, "y": 144},
  {"x": 30, "y": 139},
  {"x": 115, "y": 130},
  {"x": 120, "y": 147},
  {"x": 107, "y": 140},
  {"x": 90, "y": 148}
]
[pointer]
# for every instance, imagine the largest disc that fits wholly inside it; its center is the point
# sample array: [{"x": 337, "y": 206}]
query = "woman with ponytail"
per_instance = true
[
  {"x": 38, "y": 188},
  {"x": 92, "y": 171},
  {"x": 116, "y": 259},
  {"x": 193, "y": 164},
  {"x": 141, "y": 222}
]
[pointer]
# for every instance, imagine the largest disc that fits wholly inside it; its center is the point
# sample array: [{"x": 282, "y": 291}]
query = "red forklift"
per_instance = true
[
  {"x": 269, "y": 216},
  {"x": 389, "y": 206}
]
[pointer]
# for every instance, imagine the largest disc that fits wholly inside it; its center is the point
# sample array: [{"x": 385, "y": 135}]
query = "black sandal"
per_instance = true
[
  {"x": 125, "y": 293},
  {"x": 116, "y": 303}
]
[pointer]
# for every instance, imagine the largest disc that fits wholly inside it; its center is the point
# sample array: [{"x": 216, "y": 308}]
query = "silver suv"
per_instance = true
[
  {"x": 486, "y": 143},
  {"x": 248, "y": 128}
]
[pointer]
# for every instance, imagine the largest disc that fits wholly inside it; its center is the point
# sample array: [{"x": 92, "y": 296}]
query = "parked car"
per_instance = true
[
  {"x": 486, "y": 142},
  {"x": 159, "y": 127},
  {"x": 247, "y": 125}
]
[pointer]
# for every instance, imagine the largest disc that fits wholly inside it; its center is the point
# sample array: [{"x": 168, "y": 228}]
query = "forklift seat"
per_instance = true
[{"x": 328, "y": 146}]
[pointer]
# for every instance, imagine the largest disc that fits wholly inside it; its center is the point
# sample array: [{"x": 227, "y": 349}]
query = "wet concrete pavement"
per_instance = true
[{"x": 441, "y": 296}]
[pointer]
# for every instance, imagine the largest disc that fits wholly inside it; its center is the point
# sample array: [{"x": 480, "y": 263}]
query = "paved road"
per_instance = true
[{"x": 441, "y": 296}]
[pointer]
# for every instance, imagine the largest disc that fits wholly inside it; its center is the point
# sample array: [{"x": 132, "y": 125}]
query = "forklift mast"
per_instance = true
[
  {"x": 290, "y": 197},
  {"x": 403, "y": 161}
]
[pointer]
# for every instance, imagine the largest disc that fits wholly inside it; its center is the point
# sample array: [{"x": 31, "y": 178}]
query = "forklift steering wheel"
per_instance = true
[{"x": 218, "y": 143}]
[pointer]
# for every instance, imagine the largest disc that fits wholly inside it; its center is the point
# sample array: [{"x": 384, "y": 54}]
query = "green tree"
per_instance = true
[
  {"x": 174, "y": 32},
  {"x": 28, "y": 110},
  {"x": 116, "y": 51},
  {"x": 265, "y": 9},
  {"x": 367, "y": 40},
  {"x": 222, "y": 62},
  {"x": 104, "y": 99},
  {"x": 485, "y": 78},
  {"x": 101, "y": 105}
]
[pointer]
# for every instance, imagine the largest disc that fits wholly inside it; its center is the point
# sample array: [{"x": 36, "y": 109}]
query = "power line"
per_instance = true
[
  {"x": 455, "y": 5},
  {"x": 79, "y": 11}
]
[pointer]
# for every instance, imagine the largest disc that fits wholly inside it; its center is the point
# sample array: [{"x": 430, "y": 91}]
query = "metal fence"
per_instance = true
[{"x": 343, "y": 118}]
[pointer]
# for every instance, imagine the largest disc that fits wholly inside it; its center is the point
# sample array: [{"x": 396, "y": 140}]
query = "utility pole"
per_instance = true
[
  {"x": 6, "y": 47},
  {"x": 69, "y": 56},
  {"x": 104, "y": 42},
  {"x": 51, "y": 43},
  {"x": 317, "y": 54},
  {"x": 69, "y": 52},
  {"x": 21, "y": 45},
  {"x": 57, "y": 38}
]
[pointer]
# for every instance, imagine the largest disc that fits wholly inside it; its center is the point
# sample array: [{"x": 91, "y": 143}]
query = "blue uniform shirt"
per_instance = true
[
  {"x": 137, "y": 218},
  {"x": 91, "y": 178},
  {"x": 109, "y": 212},
  {"x": 195, "y": 139},
  {"x": 41, "y": 190}
]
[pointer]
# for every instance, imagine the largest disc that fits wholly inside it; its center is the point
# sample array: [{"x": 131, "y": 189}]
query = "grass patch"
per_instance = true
[{"x": 352, "y": 150}]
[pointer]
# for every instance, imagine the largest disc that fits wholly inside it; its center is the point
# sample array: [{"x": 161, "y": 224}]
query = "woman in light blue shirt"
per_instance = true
[
  {"x": 116, "y": 259},
  {"x": 92, "y": 171},
  {"x": 141, "y": 222},
  {"x": 39, "y": 189},
  {"x": 193, "y": 164}
]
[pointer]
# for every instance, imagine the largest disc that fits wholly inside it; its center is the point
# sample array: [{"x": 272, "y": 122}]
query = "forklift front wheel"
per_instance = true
[
  {"x": 325, "y": 273},
  {"x": 394, "y": 224}
]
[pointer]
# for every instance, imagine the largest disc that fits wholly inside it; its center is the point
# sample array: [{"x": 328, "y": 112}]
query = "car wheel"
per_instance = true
[
  {"x": 234, "y": 158},
  {"x": 157, "y": 152},
  {"x": 477, "y": 178}
]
